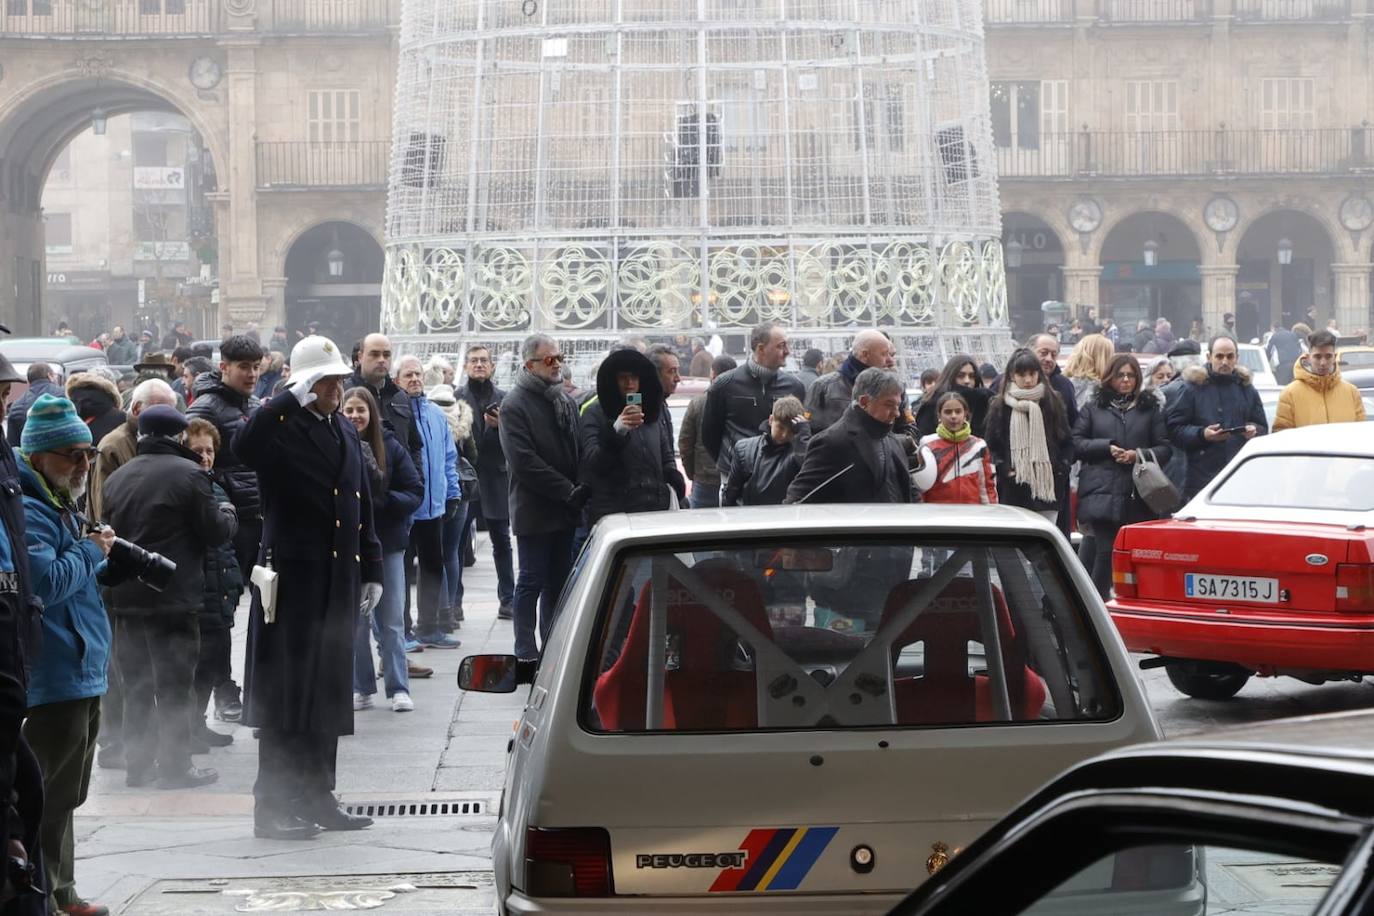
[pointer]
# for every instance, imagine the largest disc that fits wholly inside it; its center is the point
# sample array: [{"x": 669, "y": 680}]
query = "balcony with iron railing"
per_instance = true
[
  {"x": 1290, "y": 10},
  {"x": 302, "y": 164},
  {"x": 1191, "y": 153},
  {"x": 189, "y": 18},
  {"x": 1161, "y": 12}
]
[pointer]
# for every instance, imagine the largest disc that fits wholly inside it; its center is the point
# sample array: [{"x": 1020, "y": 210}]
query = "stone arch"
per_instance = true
[
  {"x": 1035, "y": 256},
  {"x": 1336, "y": 234},
  {"x": 344, "y": 305},
  {"x": 1191, "y": 221},
  {"x": 1269, "y": 291},
  {"x": 125, "y": 91},
  {"x": 295, "y": 230}
]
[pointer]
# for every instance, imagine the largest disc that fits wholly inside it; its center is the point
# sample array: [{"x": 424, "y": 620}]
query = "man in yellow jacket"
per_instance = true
[{"x": 1317, "y": 394}]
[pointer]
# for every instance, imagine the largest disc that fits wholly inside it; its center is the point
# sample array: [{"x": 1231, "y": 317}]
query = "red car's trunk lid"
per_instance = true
[{"x": 1301, "y": 558}]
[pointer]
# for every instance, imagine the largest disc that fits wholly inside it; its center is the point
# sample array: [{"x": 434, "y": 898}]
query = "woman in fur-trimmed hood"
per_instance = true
[
  {"x": 97, "y": 401},
  {"x": 1216, "y": 398},
  {"x": 1113, "y": 432}
]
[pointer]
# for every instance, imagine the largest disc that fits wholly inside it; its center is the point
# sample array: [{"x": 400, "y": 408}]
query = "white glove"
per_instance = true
[
  {"x": 924, "y": 477},
  {"x": 372, "y": 595},
  {"x": 300, "y": 386}
]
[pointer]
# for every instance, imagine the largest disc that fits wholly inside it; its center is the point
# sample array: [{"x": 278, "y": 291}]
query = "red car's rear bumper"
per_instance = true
[{"x": 1264, "y": 646}]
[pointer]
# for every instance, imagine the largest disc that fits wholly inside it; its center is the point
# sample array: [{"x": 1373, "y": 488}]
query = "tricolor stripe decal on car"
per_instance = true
[{"x": 776, "y": 859}]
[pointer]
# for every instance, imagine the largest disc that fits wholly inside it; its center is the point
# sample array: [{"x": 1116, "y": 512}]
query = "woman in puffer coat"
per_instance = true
[
  {"x": 1113, "y": 432},
  {"x": 459, "y": 416}
]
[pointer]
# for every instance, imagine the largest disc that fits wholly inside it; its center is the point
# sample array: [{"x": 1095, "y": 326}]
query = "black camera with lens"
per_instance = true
[{"x": 128, "y": 559}]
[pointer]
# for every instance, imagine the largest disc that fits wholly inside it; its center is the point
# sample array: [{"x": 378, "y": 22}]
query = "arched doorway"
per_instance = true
[
  {"x": 128, "y": 234},
  {"x": 1034, "y": 259},
  {"x": 1285, "y": 273},
  {"x": 334, "y": 282},
  {"x": 1150, "y": 270},
  {"x": 36, "y": 126}
]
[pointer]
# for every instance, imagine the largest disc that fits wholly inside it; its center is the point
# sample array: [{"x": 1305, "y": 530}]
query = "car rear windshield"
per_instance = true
[
  {"x": 1338, "y": 482},
  {"x": 807, "y": 635}
]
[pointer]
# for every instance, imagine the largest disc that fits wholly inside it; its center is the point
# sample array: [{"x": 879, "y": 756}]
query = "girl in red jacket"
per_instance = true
[{"x": 964, "y": 472}]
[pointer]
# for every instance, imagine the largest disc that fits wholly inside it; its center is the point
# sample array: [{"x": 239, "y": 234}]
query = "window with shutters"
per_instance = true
[
  {"x": 57, "y": 233},
  {"x": 1151, "y": 105},
  {"x": 333, "y": 115},
  {"x": 1054, "y": 106},
  {"x": 1287, "y": 103}
]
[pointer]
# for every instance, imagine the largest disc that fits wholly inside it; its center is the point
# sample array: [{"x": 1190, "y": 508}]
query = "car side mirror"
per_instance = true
[{"x": 494, "y": 673}]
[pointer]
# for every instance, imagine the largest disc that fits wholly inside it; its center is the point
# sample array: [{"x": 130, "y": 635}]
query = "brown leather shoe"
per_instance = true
[{"x": 420, "y": 671}]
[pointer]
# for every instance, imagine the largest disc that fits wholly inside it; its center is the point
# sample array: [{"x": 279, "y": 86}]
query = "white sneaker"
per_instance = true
[
  {"x": 362, "y": 701},
  {"x": 402, "y": 702}
]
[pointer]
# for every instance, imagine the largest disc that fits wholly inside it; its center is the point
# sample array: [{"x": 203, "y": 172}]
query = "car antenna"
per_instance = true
[{"x": 827, "y": 482}]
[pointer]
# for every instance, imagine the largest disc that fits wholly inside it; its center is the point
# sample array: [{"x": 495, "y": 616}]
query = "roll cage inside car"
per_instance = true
[{"x": 788, "y": 696}]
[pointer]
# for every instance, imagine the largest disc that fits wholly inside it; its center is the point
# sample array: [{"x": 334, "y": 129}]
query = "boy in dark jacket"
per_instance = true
[
  {"x": 224, "y": 585},
  {"x": 762, "y": 467}
]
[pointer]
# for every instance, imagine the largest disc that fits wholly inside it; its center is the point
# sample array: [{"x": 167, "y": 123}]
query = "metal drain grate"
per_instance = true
[{"x": 449, "y": 807}]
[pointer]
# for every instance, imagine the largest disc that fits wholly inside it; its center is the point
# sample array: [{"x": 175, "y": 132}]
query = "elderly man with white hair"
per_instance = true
[{"x": 833, "y": 392}]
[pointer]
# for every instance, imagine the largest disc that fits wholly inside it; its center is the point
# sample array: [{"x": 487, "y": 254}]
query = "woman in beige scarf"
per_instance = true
[{"x": 1029, "y": 437}]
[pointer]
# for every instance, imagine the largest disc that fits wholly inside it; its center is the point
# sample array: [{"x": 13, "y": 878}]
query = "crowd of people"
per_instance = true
[{"x": 333, "y": 488}]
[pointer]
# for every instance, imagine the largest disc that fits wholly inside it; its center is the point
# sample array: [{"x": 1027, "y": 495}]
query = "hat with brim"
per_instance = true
[
  {"x": 608, "y": 390},
  {"x": 1186, "y": 348},
  {"x": 7, "y": 371},
  {"x": 154, "y": 361}
]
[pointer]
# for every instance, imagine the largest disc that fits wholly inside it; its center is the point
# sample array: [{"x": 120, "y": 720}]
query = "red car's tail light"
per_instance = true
[
  {"x": 1355, "y": 587},
  {"x": 572, "y": 862},
  {"x": 1153, "y": 868},
  {"x": 1123, "y": 574}
]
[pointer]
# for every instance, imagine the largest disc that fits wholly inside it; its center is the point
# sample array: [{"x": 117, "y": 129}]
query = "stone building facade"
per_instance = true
[
  {"x": 1185, "y": 159},
  {"x": 292, "y": 100}
]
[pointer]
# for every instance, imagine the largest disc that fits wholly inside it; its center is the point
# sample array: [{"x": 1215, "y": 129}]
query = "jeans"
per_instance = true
[
  {"x": 388, "y": 626},
  {"x": 428, "y": 536},
  {"x": 545, "y": 561},
  {"x": 703, "y": 496},
  {"x": 498, "y": 529},
  {"x": 453, "y": 529}
]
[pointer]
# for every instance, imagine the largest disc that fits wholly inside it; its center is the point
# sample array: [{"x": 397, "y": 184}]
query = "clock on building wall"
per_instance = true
[
  {"x": 1221, "y": 214},
  {"x": 1357, "y": 213},
  {"x": 205, "y": 73},
  {"x": 1085, "y": 215}
]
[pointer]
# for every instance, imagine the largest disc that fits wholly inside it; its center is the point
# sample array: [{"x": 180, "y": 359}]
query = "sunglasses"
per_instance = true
[
  {"x": 554, "y": 360},
  {"x": 77, "y": 454}
]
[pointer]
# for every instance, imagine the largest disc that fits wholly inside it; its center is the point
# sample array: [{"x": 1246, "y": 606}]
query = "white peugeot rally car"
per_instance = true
[{"x": 804, "y": 710}]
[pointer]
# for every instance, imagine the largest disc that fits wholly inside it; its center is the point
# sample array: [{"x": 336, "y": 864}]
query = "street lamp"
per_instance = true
[
  {"x": 334, "y": 260},
  {"x": 1014, "y": 253},
  {"x": 1151, "y": 254},
  {"x": 98, "y": 119},
  {"x": 1285, "y": 251}
]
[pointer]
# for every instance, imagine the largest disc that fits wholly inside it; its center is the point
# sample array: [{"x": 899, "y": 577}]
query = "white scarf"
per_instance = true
[{"x": 1030, "y": 454}]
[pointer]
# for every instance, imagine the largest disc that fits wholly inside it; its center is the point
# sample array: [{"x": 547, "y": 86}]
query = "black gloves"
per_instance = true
[
  {"x": 451, "y": 508},
  {"x": 579, "y": 496}
]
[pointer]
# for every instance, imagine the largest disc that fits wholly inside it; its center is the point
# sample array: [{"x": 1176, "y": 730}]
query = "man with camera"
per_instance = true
[
  {"x": 318, "y": 538},
  {"x": 164, "y": 504},
  {"x": 67, "y": 677}
]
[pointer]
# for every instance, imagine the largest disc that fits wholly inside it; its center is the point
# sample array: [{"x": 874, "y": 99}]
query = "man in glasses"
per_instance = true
[
  {"x": 493, "y": 477},
  {"x": 67, "y": 677},
  {"x": 538, "y": 424}
]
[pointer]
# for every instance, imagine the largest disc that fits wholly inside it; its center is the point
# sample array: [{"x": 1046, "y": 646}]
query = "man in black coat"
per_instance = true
[
  {"x": 318, "y": 536},
  {"x": 1215, "y": 400},
  {"x": 493, "y": 478},
  {"x": 164, "y": 502},
  {"x": 42, "y": 380},
  {"x": 858, "y": 459},
  {"x": 739, "y": 401},
  {"x": 97, "y": 401},
  {"x": 374, "y": 374},
  {"x": 539, "y": 437},
  {"x": 226, "y": 399},
  {"x": 1284, "y": 350}
]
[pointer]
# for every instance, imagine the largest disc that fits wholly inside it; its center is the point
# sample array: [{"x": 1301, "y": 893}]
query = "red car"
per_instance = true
[{"x": 1268, "y": 571}]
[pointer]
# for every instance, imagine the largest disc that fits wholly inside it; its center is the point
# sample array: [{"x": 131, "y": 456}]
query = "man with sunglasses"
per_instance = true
[
  {"x": 538, "y": 423},
  {"x": 67, "y": 677},
  {"x": 493, "y": 477}
]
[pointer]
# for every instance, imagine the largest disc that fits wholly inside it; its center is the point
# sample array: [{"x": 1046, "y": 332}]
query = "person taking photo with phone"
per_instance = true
[
  {"x": 1218, "y": 412},
  {"x": 627, "y": 454}
]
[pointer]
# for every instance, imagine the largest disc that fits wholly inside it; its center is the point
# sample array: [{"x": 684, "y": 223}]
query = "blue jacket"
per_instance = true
[
  {"x": 76, "y": 632},
  {"x": 439, "y": 455}
]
